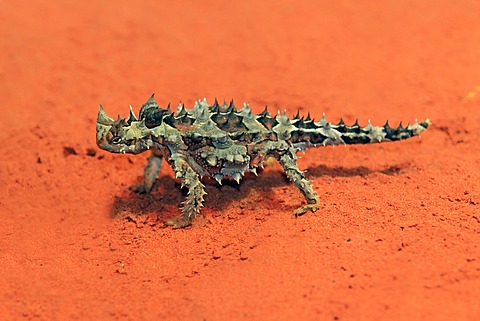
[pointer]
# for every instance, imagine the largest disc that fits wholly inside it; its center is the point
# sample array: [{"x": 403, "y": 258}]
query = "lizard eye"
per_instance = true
[{"x": 116, "y": 140}]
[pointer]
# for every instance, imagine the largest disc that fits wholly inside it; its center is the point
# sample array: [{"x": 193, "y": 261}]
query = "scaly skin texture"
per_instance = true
[{"x": 222, "y": 142}]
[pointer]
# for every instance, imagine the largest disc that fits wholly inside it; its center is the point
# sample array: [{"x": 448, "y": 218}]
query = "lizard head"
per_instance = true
[{"x": 122, "y": 135}]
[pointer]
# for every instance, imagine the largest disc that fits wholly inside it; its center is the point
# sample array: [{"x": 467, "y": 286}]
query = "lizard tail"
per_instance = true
[{"x": 322, "y": 133}]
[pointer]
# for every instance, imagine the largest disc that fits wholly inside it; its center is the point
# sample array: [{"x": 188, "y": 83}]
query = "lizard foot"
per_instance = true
[
  {"x": 177, "y": 222},
  {"x": 139, "y": 189},
  {"x": 306, "y": 208}
]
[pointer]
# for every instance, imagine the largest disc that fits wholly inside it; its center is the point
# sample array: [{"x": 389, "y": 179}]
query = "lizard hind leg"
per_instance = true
[
  {"x": 289, "y": 164},
  {"x": 194, "y": 199}
]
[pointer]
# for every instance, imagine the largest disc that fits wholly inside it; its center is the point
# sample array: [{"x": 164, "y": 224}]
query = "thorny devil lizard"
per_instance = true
[{"x": 221, "y": 141}]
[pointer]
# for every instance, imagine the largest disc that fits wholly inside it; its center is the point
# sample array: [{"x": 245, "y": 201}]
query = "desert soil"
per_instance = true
[{"x": 397, "y": 237}]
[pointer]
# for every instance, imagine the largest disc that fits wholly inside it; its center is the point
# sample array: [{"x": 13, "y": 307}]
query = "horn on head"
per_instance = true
[{"x": 103, "y": 118}]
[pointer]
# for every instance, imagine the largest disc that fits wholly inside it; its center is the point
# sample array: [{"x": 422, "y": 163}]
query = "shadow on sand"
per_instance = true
[{"x": 166, "y": 198}]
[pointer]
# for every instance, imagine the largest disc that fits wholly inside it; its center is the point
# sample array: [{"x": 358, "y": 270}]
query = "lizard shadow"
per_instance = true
[
  {"x": 166, "y": 197},
  {"x": 340, "y": 171}
]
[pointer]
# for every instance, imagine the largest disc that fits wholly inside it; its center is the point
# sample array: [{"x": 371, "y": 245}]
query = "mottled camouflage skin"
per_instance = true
[{"x": 222, "y": 142}]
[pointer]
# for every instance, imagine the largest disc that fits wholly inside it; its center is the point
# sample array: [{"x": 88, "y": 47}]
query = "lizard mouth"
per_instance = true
[
  {"x": 115, "y": 144},
  {"x": 122, "y": 136},
  {"x": 109, "y": 148}
]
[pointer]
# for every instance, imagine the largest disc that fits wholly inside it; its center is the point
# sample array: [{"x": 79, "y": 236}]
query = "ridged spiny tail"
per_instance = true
[{"x": 322, "y": 133}]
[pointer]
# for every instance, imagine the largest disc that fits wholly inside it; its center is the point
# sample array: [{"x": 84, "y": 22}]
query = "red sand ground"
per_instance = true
[{"x": 397, "y": 237}]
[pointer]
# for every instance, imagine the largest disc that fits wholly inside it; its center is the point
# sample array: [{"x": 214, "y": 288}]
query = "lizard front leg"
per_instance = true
[
  {"x": 196, "y": 191},
  {"x": 150, "y": 174},
  {"x": 288, "y": 160}
]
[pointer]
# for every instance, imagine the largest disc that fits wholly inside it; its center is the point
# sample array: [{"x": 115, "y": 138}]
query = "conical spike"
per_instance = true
[
  {"x": 150, "y": 104},
  {"x": 341, "y": 122},
  {"x": 297, "y": 116},
  {"x": 132, "y": 116},
  {"x": 386, "y": 126},
  {"x": 103, "y": 118},
  {"x": 369, "y": 127},
  {"x": 203, "y": 115},
  {"x": 168, "y": 110},
  {"x": 199, "y": 107},
  {"x": 218, "y": 177},
  {"x": 265, "y": 112},
  {"x": 224, "y": 107},
  {"x": 308, "y": 117},
  {"x": 232, "y": 107},
  {"x": 215, "y": 107},
  {"x": 323, "y": 122},
  {"x": 356, "y": 123},
  {"x": 180, "y": 110},
  {"x": 152, "y": 98},
  {"x": 237, "y": 177}
]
